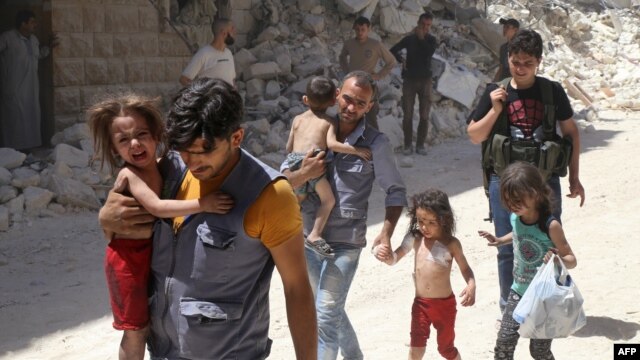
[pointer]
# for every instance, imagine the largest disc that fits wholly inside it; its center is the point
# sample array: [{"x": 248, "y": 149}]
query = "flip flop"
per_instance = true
[{"x": 320, "y": 247}]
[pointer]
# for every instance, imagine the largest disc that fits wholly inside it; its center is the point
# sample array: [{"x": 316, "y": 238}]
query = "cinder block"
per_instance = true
[
  {"x": 121, "y": 19},
  {"x": 154, "y": 69},
  {"x": 144, "y": 44},
  {"x": 134, "y": 70},
  {"x": 96, "y": 71},
  {"x": 173, "y": 68},
  {"x": 102, "y": 45},
  {"x": 80, "y": 45},
  {"x": 66, "y": 18},
  {"x": 68, "y": 72},
  {"x": 149, "y": 19},
  {"x": 121, "y": 45},
  {"x": 93, "y": 18},
  {"x": 116, "y": 71},
  {"x": 66, "y": 100},
  {"x": 172, "y": 45}
]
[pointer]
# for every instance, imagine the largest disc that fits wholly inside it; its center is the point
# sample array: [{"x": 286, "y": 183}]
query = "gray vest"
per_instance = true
[
  {"x": 351, "y": 180},
  {"x": 210, "y": 281}
]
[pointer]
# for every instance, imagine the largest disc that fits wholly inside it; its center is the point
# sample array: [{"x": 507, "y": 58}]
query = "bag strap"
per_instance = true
[
  {"x": 500, "y": 127},
  {"x": 502, "y": 123},
  {"x": 549, "y": 121}
]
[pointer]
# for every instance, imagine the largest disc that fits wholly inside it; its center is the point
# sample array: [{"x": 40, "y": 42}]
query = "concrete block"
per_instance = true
[
  {"x": 66, "y": 100},
  {"x": 121, "y": 19},
  {"x": 172, "y": 45},
  {"x": 93, "y": 18},
  {"x": 154, "y": 70},
  {"x": 243, "y": 21},
  {"x": 96, "y": 71},
  {"x": 122, "y": 45},
  {"x": 80, "y": 45},
  {"x": 68, "y": 72},
  {"x": 91, "y": 94},
  {"x": 116, "y": 71},
  {"x": 134, "y": 70},
  {"x": 103, "y": 45},
  {"x": 66, "y": 18},
  {"x": 149, "y": 19},
  {"x": 144, "y": 44},
  {"x": 173, "y": 68}
]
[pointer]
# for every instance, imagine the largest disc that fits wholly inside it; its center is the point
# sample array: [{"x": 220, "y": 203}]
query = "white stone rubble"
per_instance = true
[{"x": 590, "y": 44}]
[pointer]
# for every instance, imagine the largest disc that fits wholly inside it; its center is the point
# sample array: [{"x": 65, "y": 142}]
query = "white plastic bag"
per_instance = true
[{"x": 552, "y": 305}]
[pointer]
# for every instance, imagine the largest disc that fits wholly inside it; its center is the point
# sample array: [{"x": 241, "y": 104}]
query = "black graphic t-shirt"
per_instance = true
[{"x": 525, "y": 109}]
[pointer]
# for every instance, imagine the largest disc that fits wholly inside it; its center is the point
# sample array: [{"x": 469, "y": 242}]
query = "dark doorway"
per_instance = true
[{"x": 42, "y": 10}]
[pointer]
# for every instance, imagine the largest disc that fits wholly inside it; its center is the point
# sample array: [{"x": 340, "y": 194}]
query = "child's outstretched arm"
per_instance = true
[
  {"x": 468, "y": 295},
  {"x": 337, "y": 146},
  {"x": 495, "y": 241},
  {"x": 216, "y": 202},
  {"x": 563, "y": 249}
]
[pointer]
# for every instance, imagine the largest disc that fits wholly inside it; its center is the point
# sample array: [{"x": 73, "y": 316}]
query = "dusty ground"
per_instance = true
[{"x": 54, "y": 305}]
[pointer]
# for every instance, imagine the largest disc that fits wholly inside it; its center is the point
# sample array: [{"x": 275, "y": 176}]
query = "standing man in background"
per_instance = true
[
  {"x": 509, "y": 29},
  {"x": 416, "y": 80},
  {"x": 214, "y": 60},
  {"x": 19, "y": 86},
  {"x": 363, "y": 53}
]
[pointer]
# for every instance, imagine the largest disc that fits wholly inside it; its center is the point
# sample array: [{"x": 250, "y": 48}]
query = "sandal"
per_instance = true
[{"x": 320, "y": 247}]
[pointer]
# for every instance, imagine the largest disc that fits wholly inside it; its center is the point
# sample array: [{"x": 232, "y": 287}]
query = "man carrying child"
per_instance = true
[{"x": 314, "y": 131}]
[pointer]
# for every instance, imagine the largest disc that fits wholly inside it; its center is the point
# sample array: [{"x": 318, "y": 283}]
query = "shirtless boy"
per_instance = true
[{"x": 312, "y": 132}]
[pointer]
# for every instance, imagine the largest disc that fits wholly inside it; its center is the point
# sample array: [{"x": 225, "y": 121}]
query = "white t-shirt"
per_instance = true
[{"x": 212, "y": 63}]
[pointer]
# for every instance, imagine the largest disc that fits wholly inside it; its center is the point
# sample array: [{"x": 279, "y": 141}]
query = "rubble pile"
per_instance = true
[{"x": 592, "y": 47}]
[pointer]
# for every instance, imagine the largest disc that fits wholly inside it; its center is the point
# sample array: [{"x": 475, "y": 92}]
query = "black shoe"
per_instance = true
[{"x": 320, "y": 247}]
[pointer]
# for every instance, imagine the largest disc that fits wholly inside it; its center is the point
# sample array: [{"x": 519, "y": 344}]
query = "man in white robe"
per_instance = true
[{"x": 19, "y": 88}]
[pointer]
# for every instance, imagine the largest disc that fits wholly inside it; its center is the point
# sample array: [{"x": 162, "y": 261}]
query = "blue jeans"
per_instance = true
[
  {"x": 502, "y": 225},
  {"x": 330, "y": 280}
]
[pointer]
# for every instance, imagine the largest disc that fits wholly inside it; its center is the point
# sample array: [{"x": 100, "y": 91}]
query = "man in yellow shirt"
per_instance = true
[{"x": 211, "y": 272}]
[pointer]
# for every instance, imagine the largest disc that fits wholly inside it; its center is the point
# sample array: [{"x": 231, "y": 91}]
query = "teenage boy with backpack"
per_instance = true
[{"x": 516, "y": 121}]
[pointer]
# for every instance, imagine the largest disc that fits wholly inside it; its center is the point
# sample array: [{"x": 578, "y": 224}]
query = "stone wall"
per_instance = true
[{"x": 119, "y": 45}]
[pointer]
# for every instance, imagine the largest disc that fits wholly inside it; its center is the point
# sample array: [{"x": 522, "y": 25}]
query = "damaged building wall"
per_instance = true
[{"x": 114, "y": 45}]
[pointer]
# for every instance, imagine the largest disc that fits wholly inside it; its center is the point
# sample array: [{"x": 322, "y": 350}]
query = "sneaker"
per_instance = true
[
  {"x": 407, "y": 151},
  {"x": 421, "y": 150},
  {"x": 320, "y": 247}
]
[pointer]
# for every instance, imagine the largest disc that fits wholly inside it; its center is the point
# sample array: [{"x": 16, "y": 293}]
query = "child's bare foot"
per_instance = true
[{"x": 320, "y": 247}]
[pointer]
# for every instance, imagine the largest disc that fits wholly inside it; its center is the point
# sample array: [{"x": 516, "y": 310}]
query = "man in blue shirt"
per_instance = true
[{"x": 351, "y": 180}]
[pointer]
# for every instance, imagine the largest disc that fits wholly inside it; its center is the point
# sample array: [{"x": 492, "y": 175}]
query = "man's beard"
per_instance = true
[{"x": 229, "y": 40}]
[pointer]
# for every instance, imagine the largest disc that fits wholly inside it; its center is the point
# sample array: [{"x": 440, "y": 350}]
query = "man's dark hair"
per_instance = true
[
  {"x": 426, "y": 15},
  {"x": 321, "y": 91},
  {"x": 205, "y": 109},
  {"x": 361, "y": 20},
  {"x": 218, "y": 25},
  {"x": 526, "y": 41},
  {"x": 510, "y": 22},
  {"x": 23, "y": 16},
  {"x": 363, "y": 80}
]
